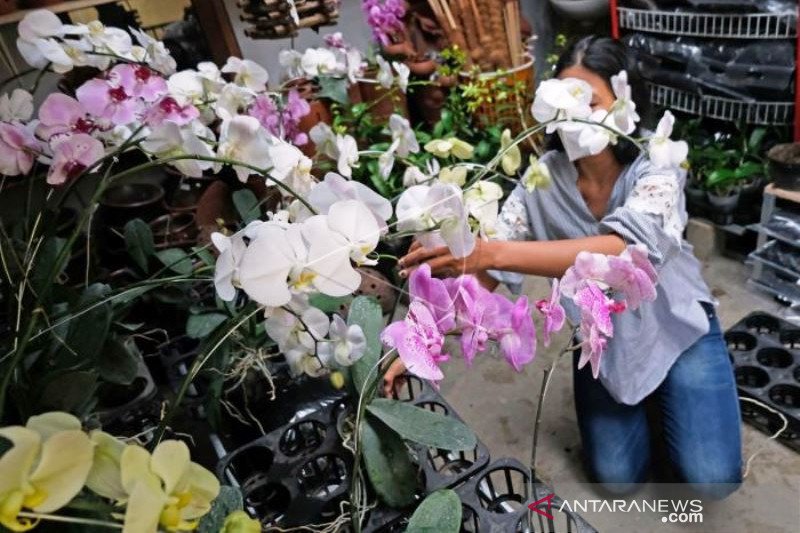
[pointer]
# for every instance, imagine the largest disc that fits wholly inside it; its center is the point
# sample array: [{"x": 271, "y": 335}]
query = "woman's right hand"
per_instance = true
[{"x": 391, "y": 377}]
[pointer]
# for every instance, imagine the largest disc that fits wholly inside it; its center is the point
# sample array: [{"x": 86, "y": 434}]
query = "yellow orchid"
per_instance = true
[
  {"x": 45, "y": 468},
  {"x": 240, "y": 522},
  {"x": 166, "y": 489},
  {"x": 512, "y": 159},
  {"x": 454, "y": 175},
  {"x": 452, "y": 146},
  {"x": 536, "y": 176}
]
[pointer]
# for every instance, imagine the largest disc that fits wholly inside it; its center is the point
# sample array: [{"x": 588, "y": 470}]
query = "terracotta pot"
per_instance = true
[
  {"x": 382, "y": 105},
  {"x": 427, "y": 102}
]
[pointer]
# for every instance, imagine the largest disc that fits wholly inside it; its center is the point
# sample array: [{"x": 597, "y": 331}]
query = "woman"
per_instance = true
[{"x": 670, "y": 350}]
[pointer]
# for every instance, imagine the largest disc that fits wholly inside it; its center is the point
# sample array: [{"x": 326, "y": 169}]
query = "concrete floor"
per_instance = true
[{"x": 500, "y": 405}]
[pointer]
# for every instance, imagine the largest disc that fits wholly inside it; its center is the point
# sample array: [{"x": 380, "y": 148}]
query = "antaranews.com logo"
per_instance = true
[{"x": 672, "y": 511}]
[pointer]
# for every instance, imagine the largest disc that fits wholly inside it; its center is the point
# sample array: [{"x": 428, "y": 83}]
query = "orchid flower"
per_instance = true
[
  {"x": 354, "y": 222},
  {"x": 596, "y": 326},
  {"x": 345, "y": 346},
  {"x": 18, "y": 107},
  {"x": 242, "y": 139},
  {"x": 435, "y": 295},
  {"x": 187, "y": 87},
  {"x": 18, "y": 149},
  {"x": 73, "y": 156},
  {"x": 318, "y": 62},
  {"x": 324, "y": 140},
  {"x": 418, "y": 341},
  {"x": 403, "y": 72},
  {"x": 267, "y": 282},
  {"x": 298, "y": 338},
  {"x": 518, "y": 342},
  {"x": 226, "y": 272},
  {"x": 156, "y": 54},
  {"x": 553, "y": 312},
  {"x": 169, "y": 110},
  {"x": 139, "y": 81},
  {"x": 44, "y": 469},
  {"x": 170, "y": 140},
  {"x": 335, "y": 188},
  {"x": 536, "y": 175},
  {"x": 247, "y": 73},
  {"x": 443, "y": 148},
  {"x": 37, "y": 44},
  {"x": 108, "y": 101},
  {"x": 403, "y": 135},
  {"x": 595, "y": 138},
  {"x": 385, "y": 76},
  {"x": 511, "y": 160},
  {"x": 290, "y": 166},
  {"x": 623, "y": 109},
  {"x": 346, "y": 154},
  {"x": 292, "y": 63},
  {"x": 482, "y": 202},
  {"x": 664, "y": 152},
  {"x": 558, "y": 99},
  {"x": 233, "y": 100},
  {"x": 240, "y": 522},
  {"x": 454, "y": 175}
]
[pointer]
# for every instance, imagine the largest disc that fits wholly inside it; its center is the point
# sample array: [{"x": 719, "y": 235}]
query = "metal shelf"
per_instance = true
[
  {"x": 758, "y": 228},
  {"x": 754, "y": 256},
  {"x": 718, "y": 107},
  {"x": 728, "y": 26}
]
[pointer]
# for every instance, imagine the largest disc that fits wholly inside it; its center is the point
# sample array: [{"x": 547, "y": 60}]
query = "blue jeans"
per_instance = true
[{"x": 699, "y": 408}]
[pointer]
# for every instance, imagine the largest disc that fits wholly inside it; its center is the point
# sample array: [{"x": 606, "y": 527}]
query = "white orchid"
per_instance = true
[
  {"x": 623, "y": 109},
  {"x": 324, "y": 139},
  {"x": 354, "y": 222},
  {"x": 414, "y": 176},
  {"x": 318, "y": 62},
  {"x": 328, "y": 262},
  {"x": 210, "y": 77},
  {"x": 385, "y": 76},
  {"x": 663, "y": 151},
  {"x": 170, "y": 140},
  {"x": 536, "y": 176},
  {"x": 423, "y": 208},
  {"x": 109, "y": 39},
  {"x": 290, "y": 166},
  {"x": 455, "y": 175},
  {"x": 297, "y": 337},
  {"x": 16, "y": 107},
  {"x": 403, "y": 137},
  {"x": 595, "y": 138},
  {"x": 346, "y": 154},
  {"x": 274, "y": 253},
  {"x": 454, "y": 146},
  {"x": 233, "y": 100},
  {"x": 243, "y": 139},
  {"x": 354, "y": 64},
  {"x": 157, "y": 55},
  {"x": 482, "y": 202},
  {"x": 403, "y": 72},
  {"x": 292, "y": 63},
  {"x": 247, "y": 73},
  {"x": 226, "y": 273},
  {"x": 186, "y": 87},
  {"x": 557, "y": 99},
  {"x": 335, "y": 188},
  {"x": 345, "y": 346},
  {"x": 511, "y": 160},
  {"x": 41, "y": 52}
]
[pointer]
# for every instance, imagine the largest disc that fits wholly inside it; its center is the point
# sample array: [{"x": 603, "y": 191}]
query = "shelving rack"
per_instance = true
[{"x": 754, "y": 26}]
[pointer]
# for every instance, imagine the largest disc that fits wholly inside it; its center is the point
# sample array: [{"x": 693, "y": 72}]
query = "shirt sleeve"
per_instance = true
[
  {"x": 512, "y": 225},
  {"x": 654, "y": 215}
]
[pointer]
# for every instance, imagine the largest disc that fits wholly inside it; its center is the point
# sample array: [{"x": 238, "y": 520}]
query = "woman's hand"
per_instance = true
[
  {"x": 443, "y": 263},
  {"x": 393, "y": 377}
]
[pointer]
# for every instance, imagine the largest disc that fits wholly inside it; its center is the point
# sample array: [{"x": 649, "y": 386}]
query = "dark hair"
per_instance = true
[{"x": 606, "y": 57}]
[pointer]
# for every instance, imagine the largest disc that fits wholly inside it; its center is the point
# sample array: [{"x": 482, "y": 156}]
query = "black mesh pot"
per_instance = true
[{"x": 765, "y": 352}]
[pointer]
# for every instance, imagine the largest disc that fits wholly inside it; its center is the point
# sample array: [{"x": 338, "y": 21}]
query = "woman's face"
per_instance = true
[{"x": 602, "y": 95}]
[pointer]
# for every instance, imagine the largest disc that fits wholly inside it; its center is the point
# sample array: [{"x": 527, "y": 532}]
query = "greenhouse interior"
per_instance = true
[{"x": 375, "y": 266}]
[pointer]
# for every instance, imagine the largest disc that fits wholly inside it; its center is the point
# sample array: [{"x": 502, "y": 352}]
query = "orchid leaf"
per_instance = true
[
  {"x": 388, "y": 464},
  {"x": 176, "y": 259},
  {"x": 201, "y": 326},
  {"x": 246, "y": 205},
  {"x": 328, "y": 304},
  {"x": 366, "y": 312},
  {"x": 438, "y": 513},
  {"x": 422, "y": 426},
  {"x": 87, "y": 334},
  {"x": 139, "y": 242},
  {"x": 119, "y": 362},
  {"x": 48, "y": 253},
  {"x": 334, "y": 88}
]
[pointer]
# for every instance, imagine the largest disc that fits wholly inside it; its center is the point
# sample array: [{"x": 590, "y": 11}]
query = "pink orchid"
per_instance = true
[
  {"x": 473, "y": 306},
  {"x": 73, "y": 156},
  {"x": 18, "y": 148},
  {"x": 433, "y": 294},
  {"x": 138, "y": 81},
  {"x": 588, "y": 266},
  {"x": 592, "y": 348},
  {"x": 518, "y": 341},
  {"x": 60, "y": 114},
  {"x": 418, "y": 342},
  {"x": 633, "y": 282},
  {"x": 169, "y": 110},
  {"x": 108, "y": 101},
  {"x": 296, "y": 108},
  {"x": 596, "y": 325},
  {"x": 266, "y": 111},
  {"x": 553, "y": 312}
]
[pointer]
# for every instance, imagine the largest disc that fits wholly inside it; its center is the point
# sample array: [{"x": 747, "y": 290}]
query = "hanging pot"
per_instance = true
[{"x": 784, "y": 166}]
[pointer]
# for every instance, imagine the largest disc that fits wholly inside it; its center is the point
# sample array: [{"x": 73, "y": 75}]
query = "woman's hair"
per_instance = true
[{"x": 606, "y": 57}]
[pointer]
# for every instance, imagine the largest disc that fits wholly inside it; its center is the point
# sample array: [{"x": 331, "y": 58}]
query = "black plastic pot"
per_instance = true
[
  {"x": 722, "y": 207},
  {"x": 784, "y": 166},
  {"x": 696, "y": 200},
  {"x": 127, "y": 201},
  {"x": 765, "y": 351}
]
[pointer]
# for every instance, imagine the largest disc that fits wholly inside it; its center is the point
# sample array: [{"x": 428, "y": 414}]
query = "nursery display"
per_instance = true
[{"x": 199, "y": 297}]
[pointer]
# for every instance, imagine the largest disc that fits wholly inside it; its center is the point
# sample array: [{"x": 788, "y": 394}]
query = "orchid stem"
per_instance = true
[{"x": 70, "y": 520}]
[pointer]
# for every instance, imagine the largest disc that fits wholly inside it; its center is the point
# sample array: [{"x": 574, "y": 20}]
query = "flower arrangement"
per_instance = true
[{"x": 279, "y": 277}]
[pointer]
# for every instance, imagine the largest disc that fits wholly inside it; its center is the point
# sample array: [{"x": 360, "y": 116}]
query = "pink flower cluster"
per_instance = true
[
  {"x": 459, "y": 306},
  {"x": 590, "y": 283},
  {"x": 284, "y": 123},
  {"x": 18, "y": 148},
  {"x": 385, "y": 17}
]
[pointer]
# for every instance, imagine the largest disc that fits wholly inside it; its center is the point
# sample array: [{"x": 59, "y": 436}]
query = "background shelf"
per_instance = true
[
  {"x": 728, "y": 26},
  {"x": 718, "y": 107}
]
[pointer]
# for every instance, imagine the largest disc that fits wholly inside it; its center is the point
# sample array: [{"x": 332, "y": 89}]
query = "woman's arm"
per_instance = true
[{"x": 538, "y": 258}]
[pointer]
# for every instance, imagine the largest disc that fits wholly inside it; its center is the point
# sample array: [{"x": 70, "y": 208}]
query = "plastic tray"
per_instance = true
[
  {"x": 718, "y": 25},
  {"x": 765, "y": 351}
]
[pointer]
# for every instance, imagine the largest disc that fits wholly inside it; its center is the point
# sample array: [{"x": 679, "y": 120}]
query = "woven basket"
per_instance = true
[{"x": 513, "y": 112}]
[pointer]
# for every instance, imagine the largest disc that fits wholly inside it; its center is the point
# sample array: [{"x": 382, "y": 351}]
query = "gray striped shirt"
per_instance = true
[{"x": 646, "y": 206}]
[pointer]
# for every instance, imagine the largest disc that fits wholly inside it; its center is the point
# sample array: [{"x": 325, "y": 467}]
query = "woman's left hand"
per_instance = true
[{"x": 443, "y": 263}]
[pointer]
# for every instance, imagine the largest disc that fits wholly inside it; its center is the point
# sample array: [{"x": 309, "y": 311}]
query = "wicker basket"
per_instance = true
[{"x": 513, "y": 112}]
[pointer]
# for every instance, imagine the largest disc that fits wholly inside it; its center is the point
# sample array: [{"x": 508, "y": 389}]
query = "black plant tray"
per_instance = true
[
  {"x": 765, "y": 351},
  {"x": 441, "y": 468},
  {"x": 126, "y": 408},
  {"x": 297, "y": 474}
]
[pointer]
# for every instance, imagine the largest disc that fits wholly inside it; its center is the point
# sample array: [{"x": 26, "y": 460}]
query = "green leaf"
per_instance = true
[
  {"x": 70, "y": 391},
  {"x": 388, "y": 465},
  {"x": 247, "y": 205},
  {"x": 422, "y": 426},
  {"x": 720, "y": 177},
  {"x": 119, "y": 362},
  {"x": 127, "y": 295},
  {"x": 88, "y": 332},
  {"x": 377, "y": 180},
  {"x": 366, "y": 312},
  {"x": 48, "y": 252},
  {"x": 228, "y": 501},
  {"x": 438, "y": 513},
  {"x": 201, "y": 326},
  {"x": 139, "y": 241},
  {"x": 176, "y": 259},
  {"x": 328, "y": 304},
  {"x": 334, "y": 88},
  {"x": 748, "y": 170},
  {"x": 756, "y": 139},
  {"x": 205, "y": 255}
]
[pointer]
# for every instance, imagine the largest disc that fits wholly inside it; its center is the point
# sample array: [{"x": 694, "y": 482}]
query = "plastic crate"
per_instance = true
[
  {"x": 717, "y": 25},
  {"x": 765, "y": 351}
]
